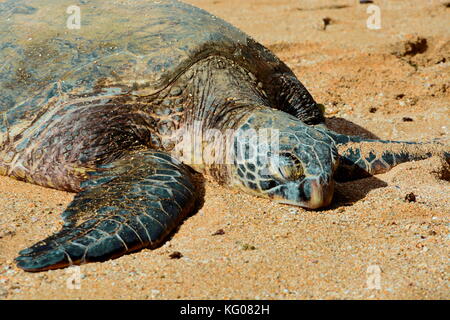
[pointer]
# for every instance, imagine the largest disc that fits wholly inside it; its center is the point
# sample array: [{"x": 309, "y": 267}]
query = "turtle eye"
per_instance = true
[{"x": 287, "y": 167}]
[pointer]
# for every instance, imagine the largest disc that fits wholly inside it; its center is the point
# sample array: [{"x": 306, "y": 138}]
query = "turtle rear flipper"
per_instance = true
[
  {"x": 127, "y": 205},
  {"x": 360, "y": 158}
]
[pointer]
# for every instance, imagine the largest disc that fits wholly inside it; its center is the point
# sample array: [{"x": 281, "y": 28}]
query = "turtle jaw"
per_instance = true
[
  {"x": 321, "y": 195},
  {"x": 311, "y": 193}
]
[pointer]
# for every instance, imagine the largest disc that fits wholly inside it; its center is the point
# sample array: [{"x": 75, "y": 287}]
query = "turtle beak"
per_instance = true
[
  {"x": 321, "y": 195},
  {"x": 311, "y": 193}
]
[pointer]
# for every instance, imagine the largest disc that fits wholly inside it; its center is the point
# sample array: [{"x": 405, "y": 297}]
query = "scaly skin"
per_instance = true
[
  {"x": 111, "y": 111},
  {"x": 130, "y": 204},
  {"x": 360, "y": 158}
]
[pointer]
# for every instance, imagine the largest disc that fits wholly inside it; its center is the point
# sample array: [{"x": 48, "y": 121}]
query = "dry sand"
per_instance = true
[{"x": 369, "y": 81}]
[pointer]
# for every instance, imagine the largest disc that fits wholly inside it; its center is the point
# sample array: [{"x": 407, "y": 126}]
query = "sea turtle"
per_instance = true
[{"x": 120, "y": 101}]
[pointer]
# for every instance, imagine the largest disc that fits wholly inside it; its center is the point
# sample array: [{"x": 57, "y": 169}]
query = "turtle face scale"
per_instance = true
[{"x": 281, "y": 158}]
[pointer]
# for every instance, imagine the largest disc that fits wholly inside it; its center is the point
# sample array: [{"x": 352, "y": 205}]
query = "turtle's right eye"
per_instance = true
[{"x": 287, "y": 167}]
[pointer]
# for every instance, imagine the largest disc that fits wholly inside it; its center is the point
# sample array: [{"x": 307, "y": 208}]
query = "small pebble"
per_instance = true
[
  {"x": 324, "y": 22},
  {"x": 175, "y": 255},
  {"x": 410, "y": 197},
  {"x": 247, "y": 246},
  {"x": 219, "y": 232}
]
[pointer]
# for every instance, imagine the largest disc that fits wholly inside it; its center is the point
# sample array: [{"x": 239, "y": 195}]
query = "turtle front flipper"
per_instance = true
[
  {"x": 360, "y": 158},
  {"x": 127, "y": 205}
]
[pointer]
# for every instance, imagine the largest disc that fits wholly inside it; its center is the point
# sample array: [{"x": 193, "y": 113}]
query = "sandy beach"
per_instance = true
[{"x": 391, "y": 83}]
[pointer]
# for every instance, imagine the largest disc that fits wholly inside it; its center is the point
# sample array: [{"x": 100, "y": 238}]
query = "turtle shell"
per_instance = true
[{"x": 134, "y": 47}]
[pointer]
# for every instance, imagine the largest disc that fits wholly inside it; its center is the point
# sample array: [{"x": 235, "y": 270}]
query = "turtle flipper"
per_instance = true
[
  {"x": 360, "y": 158},
  {"x": 127, "y": 205}
]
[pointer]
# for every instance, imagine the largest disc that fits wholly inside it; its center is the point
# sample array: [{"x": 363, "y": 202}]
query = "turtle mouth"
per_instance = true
[
  {"x": 310, "y": 193},
  {"x": 321, "y": 195}
]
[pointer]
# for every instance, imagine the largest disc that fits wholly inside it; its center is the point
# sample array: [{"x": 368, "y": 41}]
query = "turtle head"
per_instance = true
[{"x": 277, "y": 156}]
